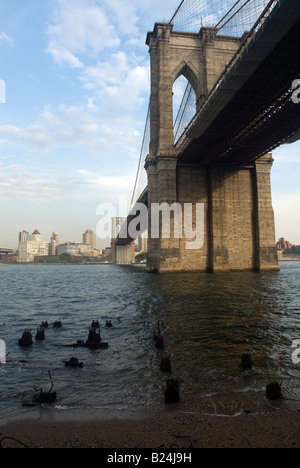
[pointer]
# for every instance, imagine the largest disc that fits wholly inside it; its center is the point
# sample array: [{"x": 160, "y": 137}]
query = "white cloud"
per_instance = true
[
  {"x": 33, "y": 136},
  {"x": 83, "y": 36},
  {"x": 36, "y": 184},
  {"x": 89, "y": 150},
  {"x": 126, "y": 16},
  {"x": 16, "y": 182},
  {"x": 106, "y": 73},
  {"x": 63, "y": 56},
  {"x": 121, "y": 80},
  {"x": 69, "y": 127},
  {"x": 5, "y": 38},
  {"x": 130, "y": 94},
  {"x": 78, "y": 132},
  {"x": 79, "y": 27}
]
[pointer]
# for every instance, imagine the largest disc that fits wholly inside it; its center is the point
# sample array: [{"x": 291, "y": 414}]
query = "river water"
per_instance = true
[{"x": 207, "y": 321}]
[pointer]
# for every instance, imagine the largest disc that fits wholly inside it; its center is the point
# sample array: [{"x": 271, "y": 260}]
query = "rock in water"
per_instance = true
[
  {"x": 26, "y": 339},
  {"x": 45, "y": 397},
  {"x": 172, "y": 391},
  {"x": 73, "y": 362},
  {"x": 40, "y": 334},
  {"x": 273, "y": 391},
  {"x": 246, "y": 361},
  {"x": 165, "y": 364}
]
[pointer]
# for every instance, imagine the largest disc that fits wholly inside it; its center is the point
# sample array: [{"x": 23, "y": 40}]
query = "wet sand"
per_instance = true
[{"x": 228, "y": 421}]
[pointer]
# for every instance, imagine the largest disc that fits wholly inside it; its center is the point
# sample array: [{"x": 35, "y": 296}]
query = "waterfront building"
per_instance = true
[
  {"x": 54, "y": 237},
  {"x": 36, "y": 236},
  {"x": 28, "y": 249},
  {"x": 24, "y": 236},
  {"x": 8, "y": 257},
  {"x": 89, "y": 238},
  {"x": 53, "y": 244},
  {"x": 68, "y": 247}
]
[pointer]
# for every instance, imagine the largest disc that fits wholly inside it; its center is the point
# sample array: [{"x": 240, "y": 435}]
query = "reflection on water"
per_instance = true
[
  {"x": 211, "y": 320},
  {"x": 207, "y": 320}
]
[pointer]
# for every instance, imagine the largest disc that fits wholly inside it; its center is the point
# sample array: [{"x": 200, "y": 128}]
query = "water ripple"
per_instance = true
[{"x": 207, "y": 321}]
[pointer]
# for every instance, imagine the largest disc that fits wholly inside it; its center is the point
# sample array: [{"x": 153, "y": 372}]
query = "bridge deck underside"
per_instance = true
[
  {"x": 124, "y": 237},
  {"x": 259, "y": 117}
]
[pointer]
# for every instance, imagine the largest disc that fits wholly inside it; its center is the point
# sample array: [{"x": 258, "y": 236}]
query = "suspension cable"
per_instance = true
[
  {"x": 240, "y": 9},
  {"x": 228, "y": 12},
  {"x": 141, "y": 155},
  {"x": 181, "y": 3}
]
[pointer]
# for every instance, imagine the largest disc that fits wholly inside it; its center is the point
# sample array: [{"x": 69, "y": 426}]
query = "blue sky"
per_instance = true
[{"x": 77, "y": 92}]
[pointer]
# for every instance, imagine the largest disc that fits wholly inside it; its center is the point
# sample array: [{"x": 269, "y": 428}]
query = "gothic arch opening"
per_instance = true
[{"x": 184, "y": 105}]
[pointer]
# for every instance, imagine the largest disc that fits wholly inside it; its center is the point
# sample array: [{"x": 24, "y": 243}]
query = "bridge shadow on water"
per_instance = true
[{"x": 211, "y": 320}]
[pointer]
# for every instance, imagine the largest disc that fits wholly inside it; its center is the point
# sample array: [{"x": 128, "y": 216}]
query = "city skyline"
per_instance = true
[
  {"x": 87, "y": 237},
  {"x": 33, "y": 246},
  {"x": 77, "y": 84}
]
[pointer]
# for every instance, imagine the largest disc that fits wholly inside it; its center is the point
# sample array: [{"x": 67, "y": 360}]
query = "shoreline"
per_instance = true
[
  {"x": 236, "y": 420},
  {"x": 110, "y": 263},
  {"x": 289, "y": 260}
]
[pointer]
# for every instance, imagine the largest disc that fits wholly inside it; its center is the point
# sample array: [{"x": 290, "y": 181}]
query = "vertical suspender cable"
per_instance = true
[{"x": 141, "y": 155}]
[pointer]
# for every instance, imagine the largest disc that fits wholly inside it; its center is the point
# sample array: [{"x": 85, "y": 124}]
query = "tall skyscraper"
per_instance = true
[
  {"x": 53, "y": 243},
  {"x": 54, "y": 237},
  {"x": 24, "y": 236},
  {"x": 89, "y": 238}
]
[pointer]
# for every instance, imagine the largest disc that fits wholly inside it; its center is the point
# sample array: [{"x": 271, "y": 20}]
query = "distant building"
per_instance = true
[
  {"x": 28, "y": 249},
  {"x": 89, "y": 238},
  {"x": 24, "y": 236},
  {"x": 95, "y": 253},
  {"x": 283, "y": 245},
  {"x": 143, "y": 242},
  {"x": 53, "y": 244},
  {"x": 8, "y": 258},
  {"x": 54, "y": 237},
  {"x": 83, "y": 248},
  {"x": 106, "y": 253},
  {"x": 68, "y": 247},
  {"x": 36, "y": 236}
]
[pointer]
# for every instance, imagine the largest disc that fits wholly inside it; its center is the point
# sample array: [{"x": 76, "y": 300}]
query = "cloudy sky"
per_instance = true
[{"x": 77, "y": 91}]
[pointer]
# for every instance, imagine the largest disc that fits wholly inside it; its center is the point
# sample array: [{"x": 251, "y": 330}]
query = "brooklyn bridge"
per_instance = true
[{"x": 238, "y": 69}]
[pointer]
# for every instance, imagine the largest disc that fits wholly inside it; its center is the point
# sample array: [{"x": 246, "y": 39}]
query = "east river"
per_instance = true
[{"x": 207, "y": 322}]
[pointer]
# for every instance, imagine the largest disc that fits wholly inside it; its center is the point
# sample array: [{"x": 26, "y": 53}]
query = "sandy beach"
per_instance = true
[{"x": 229, "y": 421}]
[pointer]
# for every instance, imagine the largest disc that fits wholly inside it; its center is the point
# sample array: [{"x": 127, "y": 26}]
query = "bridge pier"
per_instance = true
[
  {"x": 125, "y": 254},
  {"x": 121, "y": 254},
  {"x": 163, "y": 253},
  {"x": 267, "y": 257},
  {"x": 237, "y": 217}
]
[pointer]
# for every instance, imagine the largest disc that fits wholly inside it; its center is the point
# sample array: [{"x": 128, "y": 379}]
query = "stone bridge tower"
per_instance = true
[{"x": 238, "y": 220}]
